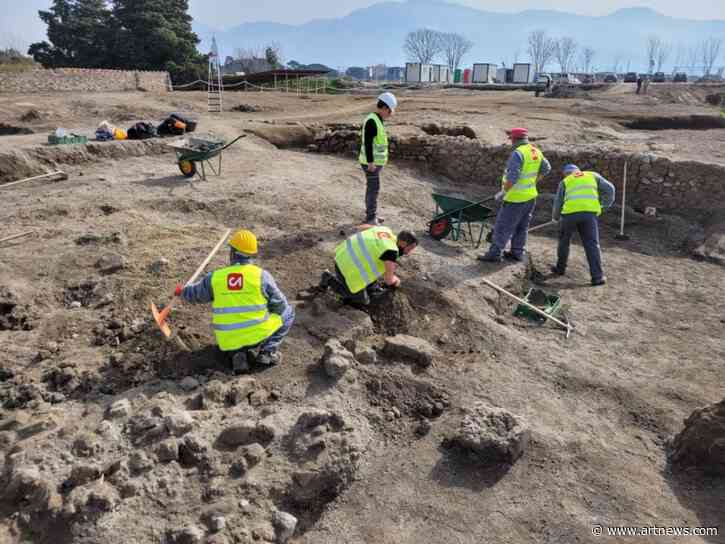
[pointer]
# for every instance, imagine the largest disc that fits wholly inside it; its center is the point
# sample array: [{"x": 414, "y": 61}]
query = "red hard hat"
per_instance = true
[{"x": 517, "y": 133}]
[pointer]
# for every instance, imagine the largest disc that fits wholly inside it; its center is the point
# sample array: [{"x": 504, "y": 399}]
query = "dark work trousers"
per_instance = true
[
  {"x": 512, "y": 223},
  {"x": 371, "y": 192},
  {"x": 586, "y": 224}
]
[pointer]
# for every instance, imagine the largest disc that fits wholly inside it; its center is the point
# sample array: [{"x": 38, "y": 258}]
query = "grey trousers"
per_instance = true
[{"x": 371, "y": 191}]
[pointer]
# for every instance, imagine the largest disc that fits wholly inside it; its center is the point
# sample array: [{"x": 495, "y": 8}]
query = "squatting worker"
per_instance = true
[
  {"x": 525, "y": 167},
  {"x": 363, "y": 258},
  {"x": 374, "y": 152},
  {"x": 579, "y": 201},
  {"x": 248, "y": 309}
]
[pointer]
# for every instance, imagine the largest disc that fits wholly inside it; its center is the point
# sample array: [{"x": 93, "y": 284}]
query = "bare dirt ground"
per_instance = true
[{"x": 602, "y": 405}]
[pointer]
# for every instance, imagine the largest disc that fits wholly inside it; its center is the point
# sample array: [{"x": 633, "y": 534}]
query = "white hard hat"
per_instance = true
[{"x": 389, "y": 100}]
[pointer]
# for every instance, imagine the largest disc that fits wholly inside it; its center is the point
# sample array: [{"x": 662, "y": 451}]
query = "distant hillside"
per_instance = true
[{"x": 375, "y": 34}]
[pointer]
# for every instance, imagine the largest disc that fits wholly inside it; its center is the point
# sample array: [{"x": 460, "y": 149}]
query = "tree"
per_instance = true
[
  {"x": 587, "y": 56},
  {"x": 423, "y": 45},
  {"x": 77, "y": 31},
  {"x": 663, "y": 54},
  {"x": 273, "y": 55},
  {"x": 693, "y": 57},
  {"x": 654, "y": 43},
  {"x": 710, "y": 49},
  {"x": 455, "y": 48},
  {"x": 617, "y": 63},
  {"x": 541, "y": 49},
  {"x": 564, "y": 51},
  {"x": 154, "y": 34}
]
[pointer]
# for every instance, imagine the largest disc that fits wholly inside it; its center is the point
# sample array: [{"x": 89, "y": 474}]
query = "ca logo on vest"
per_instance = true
[{"x": 235, "y": 282}]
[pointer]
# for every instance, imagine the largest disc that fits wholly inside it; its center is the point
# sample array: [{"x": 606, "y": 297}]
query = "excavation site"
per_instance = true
[{"x": 476, "y": 402}]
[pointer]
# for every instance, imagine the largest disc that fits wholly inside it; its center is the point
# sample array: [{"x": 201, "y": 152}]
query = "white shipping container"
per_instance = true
[
  {"x": 426, "y": 73},
  {"x": 501, "y": 75},
  {"x": 412, "y": 72},
  {"x": 523, "y": 73},
  {"x": 445, "y": 74},
  {"x": 484, "y": 73}
]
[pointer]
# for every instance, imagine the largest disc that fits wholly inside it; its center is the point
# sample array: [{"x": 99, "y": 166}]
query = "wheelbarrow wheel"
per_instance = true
[
  {"x": 188, "y": 168},
  {"x": 440, "y": 228}
]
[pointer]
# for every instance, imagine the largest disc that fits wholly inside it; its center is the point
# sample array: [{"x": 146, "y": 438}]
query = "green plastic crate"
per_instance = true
[
  {"x": 550, "y": 304},
  {"x": 70, "y": 139}
]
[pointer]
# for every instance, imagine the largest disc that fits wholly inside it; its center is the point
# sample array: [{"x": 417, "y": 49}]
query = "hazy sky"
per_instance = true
[{"x": 19, "y": 21}]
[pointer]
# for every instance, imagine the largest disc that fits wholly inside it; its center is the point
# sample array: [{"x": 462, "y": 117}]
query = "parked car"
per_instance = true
[
  {"x": 588, "y": 79},
  {"x": 543, "y": 79},
  {"x": 630, "y": 77},
  {"x": 658, "y": 77},
  {"x": 565, "y": 78},
  {"x": 710, "y": 78},
  {"x": 680, "y": 77},
  {"x": 610, "y": 78}
]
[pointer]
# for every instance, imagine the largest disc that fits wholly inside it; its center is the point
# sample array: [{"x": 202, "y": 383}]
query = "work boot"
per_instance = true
[
  {"x": 600, "y": 281},
  {"x": 240, "y": 364},
  {"x": 374, "y": 221},
  {"x": 555, "y": 270},
  {"x": 509, "y": 256},
  {"x": 269, "y": 358},
  {"x": 490, "y": 258},
  {"x": 325, "y": 279}
]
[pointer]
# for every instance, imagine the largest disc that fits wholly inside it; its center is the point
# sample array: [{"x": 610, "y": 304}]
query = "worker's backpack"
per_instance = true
[
  {"x": 171, "y": 127},
  {"x": 141, "y": 131}
]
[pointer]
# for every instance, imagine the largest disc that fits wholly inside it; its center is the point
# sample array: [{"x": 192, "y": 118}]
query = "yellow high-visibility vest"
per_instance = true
[
  {"x": 525, "y": 187},
  {"x": 581, "y": 193},
  {"x": 380, "y": 143},
  {"x": 358, "y": 257}
]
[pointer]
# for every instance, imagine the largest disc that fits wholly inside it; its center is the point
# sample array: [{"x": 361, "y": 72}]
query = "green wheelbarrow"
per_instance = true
[
  {"x": 452, "y": 214},
  {"x": 194, "y": 150}
]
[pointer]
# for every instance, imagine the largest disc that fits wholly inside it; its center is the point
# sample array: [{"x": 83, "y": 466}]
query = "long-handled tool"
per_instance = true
[
  {"x": 14, "y": 236},
  {"x": 60, "y": 173},
  {"x": 621, "y": 235},
  {"x": 569, "y": 328},
  {"x": 160, "y": 316},
  {"x": 537, "y": 227}
]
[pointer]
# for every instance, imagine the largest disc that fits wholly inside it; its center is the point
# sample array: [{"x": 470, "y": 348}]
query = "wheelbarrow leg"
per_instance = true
[{"x": 203, "y": 172}]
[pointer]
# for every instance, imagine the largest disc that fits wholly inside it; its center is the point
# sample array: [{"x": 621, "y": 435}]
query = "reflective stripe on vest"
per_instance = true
[
  {"x": 358, "y": 257},
  {"x": 581, "y": 193},
  {"x": 525, "y": 187},
  {"x": 239, "y": 310},
  {"x": 380, "y": 143}
]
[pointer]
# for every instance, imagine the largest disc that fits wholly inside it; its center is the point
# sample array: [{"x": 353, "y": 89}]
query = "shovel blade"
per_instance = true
[{"x": 160, "y": 318}]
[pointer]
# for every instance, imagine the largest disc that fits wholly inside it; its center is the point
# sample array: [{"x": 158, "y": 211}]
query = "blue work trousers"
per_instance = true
[
  {"x": 512, "y": 224},
  {"x": 586, "y": 224}
]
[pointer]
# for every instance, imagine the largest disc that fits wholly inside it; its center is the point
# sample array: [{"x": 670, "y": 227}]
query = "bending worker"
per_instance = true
[
  {"x": 248, "y": 309},
  {"x": 579, "y": 201},
  {"x": 525, "y": 167},
  {"x": 363, "y": 258},
  {"x": 374, "y": 152}
]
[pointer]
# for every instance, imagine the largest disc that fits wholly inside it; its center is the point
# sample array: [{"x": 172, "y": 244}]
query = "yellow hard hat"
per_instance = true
[{"x": 244, "y": 241}]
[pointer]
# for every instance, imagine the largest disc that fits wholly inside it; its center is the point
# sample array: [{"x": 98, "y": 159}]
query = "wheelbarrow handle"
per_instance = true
[
  {"x": 457, "y": 210},
  {"x": 233, "y": 141}
]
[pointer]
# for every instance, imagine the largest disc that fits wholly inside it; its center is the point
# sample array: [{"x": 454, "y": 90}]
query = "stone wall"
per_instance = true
[
  {"x": 82, "y": 80},
  {"x": 680, "y": 186}
]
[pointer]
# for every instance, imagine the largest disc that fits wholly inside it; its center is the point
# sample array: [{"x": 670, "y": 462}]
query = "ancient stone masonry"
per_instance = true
[
  {"x": 652, "y": 180},
  {"x": 83, "y": 80}
]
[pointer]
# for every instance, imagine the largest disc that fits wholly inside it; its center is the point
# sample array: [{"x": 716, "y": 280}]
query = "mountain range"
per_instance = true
[{"x": 376, "y": 34}]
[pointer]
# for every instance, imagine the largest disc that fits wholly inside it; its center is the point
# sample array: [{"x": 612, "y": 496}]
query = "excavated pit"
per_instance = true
[{"x": 687, "y": 122}]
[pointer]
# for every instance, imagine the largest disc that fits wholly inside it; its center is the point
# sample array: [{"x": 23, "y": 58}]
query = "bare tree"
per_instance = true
[
  {"x": 710, "y": 49},
  {"x": 455, "y": 48},
  {"x": 654, "y": 43},
  {"x": 564, "y": 51},
  {"x": 693, "y": 57},
  {"x": 516, "y": 55},
  {"x": 680, "y": 56},
  {"x": 587, "y": 56},
  {"x": 423, "y": 45},
  {"x": 541, "y": 49},
  {"x": 663, "y": 54}
]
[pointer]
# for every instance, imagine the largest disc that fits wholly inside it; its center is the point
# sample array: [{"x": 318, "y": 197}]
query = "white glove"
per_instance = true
[{"x": 499, "y": 196}]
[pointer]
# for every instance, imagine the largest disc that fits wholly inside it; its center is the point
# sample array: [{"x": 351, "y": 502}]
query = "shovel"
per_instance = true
[
  {"x": 621, "y": 235},
  {"x": 160, "y": 316}
]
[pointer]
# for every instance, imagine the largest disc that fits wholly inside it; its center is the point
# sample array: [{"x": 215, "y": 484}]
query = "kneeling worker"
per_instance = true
[
  {"x": 248, "y": 309},
  {"x": 363, "y": 258},
  {"x": 579, "y": 201}
]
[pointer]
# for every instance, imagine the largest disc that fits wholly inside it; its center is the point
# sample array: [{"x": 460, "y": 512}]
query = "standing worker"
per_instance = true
[
  {"x": 639, "y": 84},
  {"x": 374, "y": 152},
  {"x": 248, "y": 309},
  {"x": 523, "y": 170},
  {"x": 579, "y": 201},
  {"x": 363, "y": 258}
]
